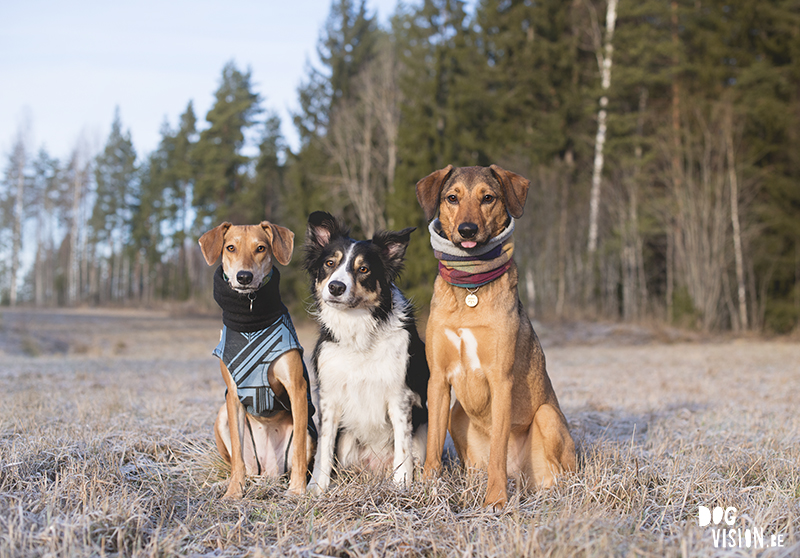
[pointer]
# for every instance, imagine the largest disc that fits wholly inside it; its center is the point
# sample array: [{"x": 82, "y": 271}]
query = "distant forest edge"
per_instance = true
[{"x": 660, "y": 137}]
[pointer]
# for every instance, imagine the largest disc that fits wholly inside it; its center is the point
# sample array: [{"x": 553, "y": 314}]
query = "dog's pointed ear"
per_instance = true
[
  {"x": 515, "y": 189},
  {"x": 282, "y": 241},
  {"x": 322, "y": 228},
  {"x": 393, "y": 248},
  {"x": 429, "y": 190},
  {"x": 211, "y": 242}
]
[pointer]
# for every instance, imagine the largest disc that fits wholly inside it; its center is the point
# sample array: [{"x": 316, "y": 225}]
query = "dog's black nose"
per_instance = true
[
  {"x": 244, "y": 277},
  {"x": 467, "y": 230},
  {"x": 337, "y": 288}
]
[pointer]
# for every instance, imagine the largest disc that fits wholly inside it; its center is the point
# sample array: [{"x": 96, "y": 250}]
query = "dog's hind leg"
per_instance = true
[
  {"x": 289, "y": 371},
  {"x": 459, "y": 432},
  {"x": 552, "y": 450},
  {"x": 222, "y": 434},
  {"x": 419, "y": 443}
]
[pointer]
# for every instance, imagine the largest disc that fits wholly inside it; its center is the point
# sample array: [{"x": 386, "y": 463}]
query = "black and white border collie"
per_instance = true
[{"x": 369, "y": 360}]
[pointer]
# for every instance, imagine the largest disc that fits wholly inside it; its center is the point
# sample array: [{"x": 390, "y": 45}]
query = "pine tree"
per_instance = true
[
  {"x": 439, "y": 112},
  {"x": 222, "y": 168},
  {"x": 268, "y": 188},
  {"x": 46, "y": 203},
  {"x": 116, "y": 195}
]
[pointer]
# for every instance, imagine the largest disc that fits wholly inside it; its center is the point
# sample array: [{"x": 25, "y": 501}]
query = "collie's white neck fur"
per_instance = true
[{"x": 357, "y": 328}]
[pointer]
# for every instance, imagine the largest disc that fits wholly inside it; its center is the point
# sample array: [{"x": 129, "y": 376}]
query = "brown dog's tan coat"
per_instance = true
[
  {"x": 251, "y": 248},
  {"x": 506, "y": 418}
]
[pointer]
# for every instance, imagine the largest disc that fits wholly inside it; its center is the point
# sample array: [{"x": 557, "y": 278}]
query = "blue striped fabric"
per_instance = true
[{"x": 248, "y": 357}]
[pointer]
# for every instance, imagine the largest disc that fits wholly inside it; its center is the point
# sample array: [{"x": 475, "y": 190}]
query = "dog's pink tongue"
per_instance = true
[{"x": 469, "y": 244}]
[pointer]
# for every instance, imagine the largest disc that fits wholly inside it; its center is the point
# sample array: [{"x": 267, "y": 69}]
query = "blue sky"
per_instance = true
[{"x": 65, "y": 66}]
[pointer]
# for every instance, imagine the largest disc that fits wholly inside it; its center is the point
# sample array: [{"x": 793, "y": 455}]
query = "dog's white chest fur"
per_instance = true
[
  {"x": 364, "y": 396},
  {"x": 362, "y": 374},
  {"x": 466, "y": 344}
]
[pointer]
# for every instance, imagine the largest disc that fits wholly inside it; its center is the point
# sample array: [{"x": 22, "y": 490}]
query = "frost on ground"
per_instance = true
[{"x": 106, "y": 447}]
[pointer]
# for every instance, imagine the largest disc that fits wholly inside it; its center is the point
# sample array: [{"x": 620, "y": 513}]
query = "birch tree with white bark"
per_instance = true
[
  {"x": 78, "y": 178},
  {"x": 16, "y": 181},
  {"x": 604, "y": 63}
]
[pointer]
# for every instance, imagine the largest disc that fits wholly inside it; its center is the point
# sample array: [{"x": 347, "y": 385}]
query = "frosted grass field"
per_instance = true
[{"x": 106, "y": 448}]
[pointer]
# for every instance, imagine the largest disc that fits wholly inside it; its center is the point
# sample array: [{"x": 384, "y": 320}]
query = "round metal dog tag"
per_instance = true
[{"x": 471, "y": 300}]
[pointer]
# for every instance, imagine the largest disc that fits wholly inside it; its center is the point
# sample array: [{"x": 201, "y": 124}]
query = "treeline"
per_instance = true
[{"x": 660, "y": 137}]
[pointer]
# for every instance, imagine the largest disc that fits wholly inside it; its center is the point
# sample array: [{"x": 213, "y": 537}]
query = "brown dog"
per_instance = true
[
  {"x": 274, "y": 385},
  {"x": 480, "y": 341}
]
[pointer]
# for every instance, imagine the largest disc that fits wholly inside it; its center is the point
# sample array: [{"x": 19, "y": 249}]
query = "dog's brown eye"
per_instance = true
[
  {"x": 488, "y": 198},
  {"x": 261, "y": 248},
  {"x": 363, "y": 269},
  {"x": 329, "y": 263},
  {"x": 230, "y": 248},
  {"x": 452, "y": 198}
]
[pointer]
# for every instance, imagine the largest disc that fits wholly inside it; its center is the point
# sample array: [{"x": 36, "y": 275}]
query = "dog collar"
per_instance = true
[
  {"x": 251, "y": 295},
  {"x": 473, "y": 268},
  {"x": 251, "y": 311},
  {"x": 441, "y": 244}
]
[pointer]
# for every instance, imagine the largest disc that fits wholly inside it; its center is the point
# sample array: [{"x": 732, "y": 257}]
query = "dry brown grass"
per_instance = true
[{"x": 106, "y": 448}]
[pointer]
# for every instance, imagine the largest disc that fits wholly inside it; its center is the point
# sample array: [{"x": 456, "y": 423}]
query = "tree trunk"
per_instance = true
[
  {"x": 604, "y": 61},
  {"x": 737, "y": 234},
  {"x": 38, "y": 266},
  {"x": 530, "y": 290},
  {"x": 369, "y": 215},
  {"x": 677, "y": 180},
  {"x": 670, "y": 289},
  {"x": 562, "y": 240},
  {"x": 634, "y": 209},
  {"x": 16, "y": 235},
  {"x": 77, "y": 198}
]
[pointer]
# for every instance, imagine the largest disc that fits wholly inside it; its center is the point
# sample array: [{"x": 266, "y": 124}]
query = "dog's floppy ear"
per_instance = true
[
  {"x": 282, "y": 241},
  {"x": 322, "y": 228},
  {"x": 393, "y": 248},
  {"x": 429, "y": 190},
  {"x": 515, "y": 189},
  {"x": 211, "y": 242}
]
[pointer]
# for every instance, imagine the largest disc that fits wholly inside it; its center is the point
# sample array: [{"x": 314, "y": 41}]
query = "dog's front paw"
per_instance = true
[
  {"x": 234, "y": 492},
  {"x": 402, "y": 477},
  {"x": 430, "y": 472},
  {"x": 495, "y": 500},
  {"x": 314, "y": 489},
  {"x": 292, "y": 492}
]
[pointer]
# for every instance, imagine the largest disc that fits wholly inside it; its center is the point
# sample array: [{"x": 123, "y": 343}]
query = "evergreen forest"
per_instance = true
[{"x": 661, "y": 139}]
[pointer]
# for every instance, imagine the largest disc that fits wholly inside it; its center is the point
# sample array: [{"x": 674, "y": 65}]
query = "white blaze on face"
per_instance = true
[{"x": 344, "y": 276}]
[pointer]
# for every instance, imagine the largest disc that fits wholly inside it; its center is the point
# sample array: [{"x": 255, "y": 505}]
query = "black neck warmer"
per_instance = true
[{"x": 236, "y": 310}]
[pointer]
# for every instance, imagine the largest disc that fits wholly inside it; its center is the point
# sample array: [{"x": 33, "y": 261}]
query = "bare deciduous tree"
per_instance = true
[
  {"x": 701, "y": 218},
  {"x": 362, "y": 140}
]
